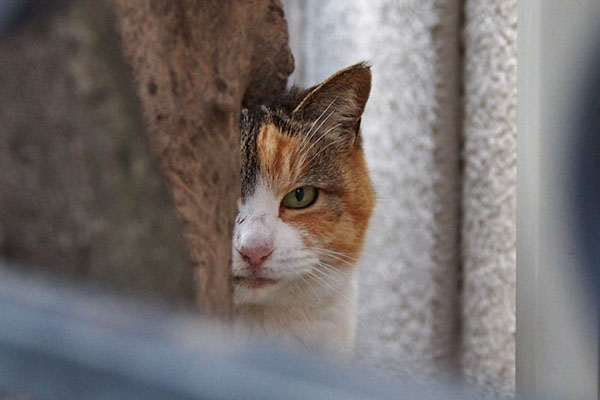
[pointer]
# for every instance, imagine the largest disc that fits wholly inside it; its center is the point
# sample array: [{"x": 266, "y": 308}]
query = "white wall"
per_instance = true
[{"x": 408, "y": 303}]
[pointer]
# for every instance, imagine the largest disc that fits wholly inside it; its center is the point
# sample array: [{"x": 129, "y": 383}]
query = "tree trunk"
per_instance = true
[{"x": 194, "y": 64}]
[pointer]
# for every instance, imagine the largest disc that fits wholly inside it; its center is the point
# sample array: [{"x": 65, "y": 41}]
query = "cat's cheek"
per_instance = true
[
  {"x": 317, "y": 225},
  {"x": 289, "y": 245}
]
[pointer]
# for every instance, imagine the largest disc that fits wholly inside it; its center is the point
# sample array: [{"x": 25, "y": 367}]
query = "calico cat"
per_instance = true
[{"x": 305, "y": 207}]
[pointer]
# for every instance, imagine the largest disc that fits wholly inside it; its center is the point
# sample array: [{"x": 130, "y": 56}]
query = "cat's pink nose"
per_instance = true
[{"x": 256, "y": 255}]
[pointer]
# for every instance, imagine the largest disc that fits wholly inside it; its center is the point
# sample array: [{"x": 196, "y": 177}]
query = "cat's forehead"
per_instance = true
[{"x": 282, "y": 154}]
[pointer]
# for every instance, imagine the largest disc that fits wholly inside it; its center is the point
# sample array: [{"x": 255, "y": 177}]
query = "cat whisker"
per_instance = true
[
  {"x": 308, "y": 285},
  {"x": 327, "y": 275},
  {"x": 323, "y": 279},
  {"x": 303, "y": 279},
  {"x": 337, "y": 253},
  {"x": 351, "y": 256},
  {"x": 365, "y": 255},
  {"x": 350, "y": 261},
  {"x": 331, "y": 270},
  {"x": 351, "y": 264},
  {"x": 310, "y": 132},
  {"x": 299, "y": 289},
  {"x": 291, "y": 259},
  {"x": 307, "y": 146},
  {"x": 339, "y": 140}
]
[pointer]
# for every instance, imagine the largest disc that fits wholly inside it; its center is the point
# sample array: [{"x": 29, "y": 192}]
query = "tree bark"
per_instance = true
[{"x": 195, "y": 63}]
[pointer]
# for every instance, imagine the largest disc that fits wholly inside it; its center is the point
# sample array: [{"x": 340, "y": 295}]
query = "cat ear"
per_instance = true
[{"x": 337, "y": 104}]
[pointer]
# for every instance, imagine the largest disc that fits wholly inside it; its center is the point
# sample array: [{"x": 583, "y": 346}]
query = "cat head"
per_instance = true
[{"x": 306, "y": 194}]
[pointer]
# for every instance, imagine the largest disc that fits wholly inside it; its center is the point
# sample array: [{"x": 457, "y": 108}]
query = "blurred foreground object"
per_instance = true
[
  {"x": 557, "y": 338},
  {"x": 13, "y": 13},
  {"x": 81, "y": 194},
  {"x": 586, "y": 191},
  {"x": 60, "y": 343}
]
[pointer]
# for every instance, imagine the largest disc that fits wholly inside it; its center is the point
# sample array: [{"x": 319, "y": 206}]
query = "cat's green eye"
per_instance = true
[{"x": 301, "y": 197}]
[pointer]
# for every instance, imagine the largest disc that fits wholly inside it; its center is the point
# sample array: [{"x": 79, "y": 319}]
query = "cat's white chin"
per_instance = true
[{"x": 254, "y": 290}]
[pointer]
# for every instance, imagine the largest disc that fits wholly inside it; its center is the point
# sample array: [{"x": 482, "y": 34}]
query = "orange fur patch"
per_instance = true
[
  {"x": 336, "y": 222},
  {"x": 278, "y": 156}
]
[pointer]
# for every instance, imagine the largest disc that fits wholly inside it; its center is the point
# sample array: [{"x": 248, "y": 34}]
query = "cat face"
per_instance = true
[{"x": 306, "y": 194}]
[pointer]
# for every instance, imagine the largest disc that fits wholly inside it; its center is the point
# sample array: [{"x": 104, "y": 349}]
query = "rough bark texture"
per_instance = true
[
  {"x": 80, "y": 193},
  {"x": 195, "y": 63}
]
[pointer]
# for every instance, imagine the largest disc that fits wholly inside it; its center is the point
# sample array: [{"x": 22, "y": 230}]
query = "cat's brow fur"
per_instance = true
[
  {"x": 284, "y": 116},
  {"x": 312, "y": 137}
]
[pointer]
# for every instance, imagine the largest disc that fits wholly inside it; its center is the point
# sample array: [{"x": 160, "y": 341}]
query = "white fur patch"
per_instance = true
[
  {"x": 310, "y": 304},
  {"x": 259, "y": 222}
]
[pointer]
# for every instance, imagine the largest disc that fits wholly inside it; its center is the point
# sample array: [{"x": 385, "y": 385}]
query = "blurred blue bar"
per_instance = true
[
  {"x": 59, "y": 342},
  {"x": 10, "y": 10},
  {"x": 15, "y": 12}
]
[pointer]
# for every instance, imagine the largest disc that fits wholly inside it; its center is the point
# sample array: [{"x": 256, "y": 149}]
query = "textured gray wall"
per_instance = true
[
  {"x": 408, "y": 305},
  {"x": 489, "y": 194},
  {"x": 437, "y": 279}
]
